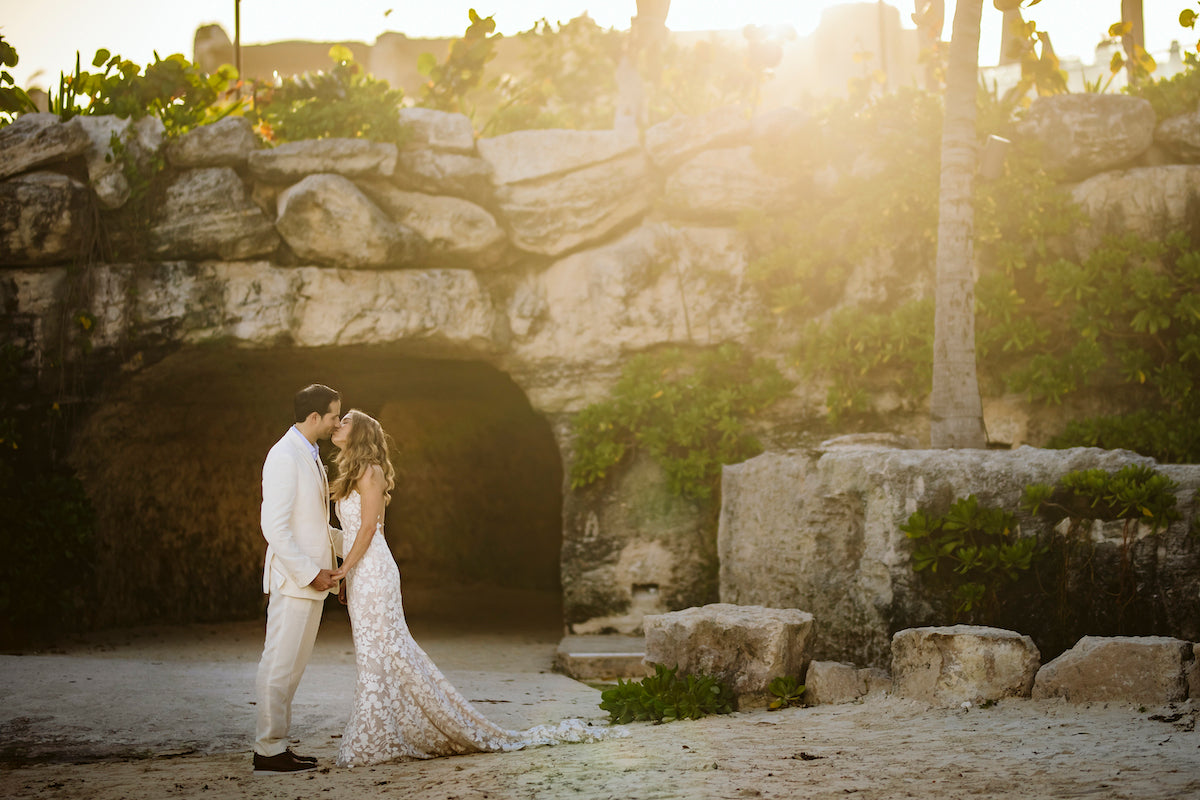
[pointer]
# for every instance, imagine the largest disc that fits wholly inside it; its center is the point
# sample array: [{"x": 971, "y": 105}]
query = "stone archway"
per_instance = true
[{"x": 172, "y": 459}]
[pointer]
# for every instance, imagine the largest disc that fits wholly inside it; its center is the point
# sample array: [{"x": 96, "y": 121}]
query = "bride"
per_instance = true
[{"x": 404, "y": 708}]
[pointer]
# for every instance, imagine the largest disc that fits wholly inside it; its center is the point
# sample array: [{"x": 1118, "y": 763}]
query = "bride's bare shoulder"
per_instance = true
[{"x": 372, "y": 478}]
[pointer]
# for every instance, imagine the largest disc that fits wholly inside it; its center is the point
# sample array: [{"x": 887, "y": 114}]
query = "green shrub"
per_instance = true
[
  {"x": 688, "y": 412},
  {"x": 344, "y": 102},
  {"x": 666, "y": 696},
  {"x": 788, "y": 692},
  {"x": 970, "y": 550}
]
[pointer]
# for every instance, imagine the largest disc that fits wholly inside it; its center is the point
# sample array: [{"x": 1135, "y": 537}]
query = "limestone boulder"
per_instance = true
[
  {"x": 444, "y": 173},
  {"x": 225, "y": 143},
  {"x": 946, "y": 666},
  {"x": 139, "y": 143},
  {"x": 208, "y": 213},
  {"x": 34, "y": 140},
  {"x": 1148, "y": 201},
  {"x": 681, "y": 137},
  {"x": 531, "y": 155},
  {"x": 258, "y": 305},
  {"x": 44, "y": 218},
  {"x": 745, "y": 646},
  {"x": 327, "y": 219},
  {"x": 440, "y": 130},
  {"x": 835, "y": 682},
  {"x": 1084, "y": 134},
  {"x": 1149, "y": 670},
  {"x": 456, "y": 231},
  {"x": 560, "y": 213},
  {"x": 656, "y": 285},
  {"x": 721, "y": 184},
  {"x": 1180, "y": 136},
  {"x": 350, "y": 158}
]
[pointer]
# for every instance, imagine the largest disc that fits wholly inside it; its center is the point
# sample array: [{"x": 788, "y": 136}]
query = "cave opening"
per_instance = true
[{"x": 172, "y": 460}]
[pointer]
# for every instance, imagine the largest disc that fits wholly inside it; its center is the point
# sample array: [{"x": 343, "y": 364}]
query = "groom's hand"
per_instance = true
[{"x": 323, "y": 582}]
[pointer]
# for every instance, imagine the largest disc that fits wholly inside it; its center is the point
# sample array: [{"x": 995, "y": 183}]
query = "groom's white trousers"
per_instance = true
[{"x": 292, "y": 624}]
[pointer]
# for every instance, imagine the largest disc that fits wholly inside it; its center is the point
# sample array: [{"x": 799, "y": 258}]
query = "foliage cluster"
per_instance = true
[
  {"x": 687, "y": 411},
  {"x": 569, "y": 80},
  {"x": 173, "y": 89},
  {"x": 345, "y": 102},
  {"x": 1125, "y": 320},
  {"x": 666, "y": 696},
  {"x": 976, "y": 558},
  {"x": 788, "y": 692},
  {"x": 1136, "y": 493},
  {"x": 971, "y": 550},
  {"x": 13, "y": 99}
]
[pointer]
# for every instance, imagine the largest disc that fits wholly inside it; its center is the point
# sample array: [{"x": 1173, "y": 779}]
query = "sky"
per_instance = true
[{"x": 46, "y": 33}]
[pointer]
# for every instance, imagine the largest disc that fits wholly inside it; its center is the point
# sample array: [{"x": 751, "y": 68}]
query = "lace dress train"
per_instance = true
[{"x": 404, "y": 708}]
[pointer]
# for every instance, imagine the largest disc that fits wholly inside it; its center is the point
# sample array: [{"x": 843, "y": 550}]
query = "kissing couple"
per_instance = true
[{"x": 404, "y": 708}]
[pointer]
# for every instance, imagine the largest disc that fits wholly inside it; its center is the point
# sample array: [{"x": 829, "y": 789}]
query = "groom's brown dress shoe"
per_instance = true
[
  {"x": 309, "y": 759},
  {"x": 287, "y": 761}
]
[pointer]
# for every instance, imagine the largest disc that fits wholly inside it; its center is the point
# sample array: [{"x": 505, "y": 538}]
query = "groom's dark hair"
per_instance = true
[{"x": 317, "y": 397}]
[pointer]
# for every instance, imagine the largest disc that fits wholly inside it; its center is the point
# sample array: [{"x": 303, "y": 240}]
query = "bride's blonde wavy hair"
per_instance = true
[{"x": 366, "y": 444}]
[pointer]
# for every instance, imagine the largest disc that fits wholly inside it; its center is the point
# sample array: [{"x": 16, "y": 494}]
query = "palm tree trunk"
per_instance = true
[{"x": 956, "y": 413}]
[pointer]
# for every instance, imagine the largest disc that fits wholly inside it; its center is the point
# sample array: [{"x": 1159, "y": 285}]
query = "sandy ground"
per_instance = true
[{"x": 167, "y": 713}]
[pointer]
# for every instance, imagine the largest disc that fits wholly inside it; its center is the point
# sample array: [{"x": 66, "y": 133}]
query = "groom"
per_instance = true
[{"x": 301, "y": 552}]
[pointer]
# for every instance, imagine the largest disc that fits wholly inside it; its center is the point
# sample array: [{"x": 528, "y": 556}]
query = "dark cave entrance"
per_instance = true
[{"x": 172, "y": 461}]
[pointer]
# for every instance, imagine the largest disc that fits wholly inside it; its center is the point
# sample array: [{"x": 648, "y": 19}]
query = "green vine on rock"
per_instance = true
[{"x": 688, "y": 412}]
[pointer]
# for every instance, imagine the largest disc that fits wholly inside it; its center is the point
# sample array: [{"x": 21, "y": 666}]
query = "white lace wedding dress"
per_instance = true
[{"x": 404, "y": 708}]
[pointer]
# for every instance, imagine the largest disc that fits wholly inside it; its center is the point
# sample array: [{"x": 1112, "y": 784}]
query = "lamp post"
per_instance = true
[{"x": 237, "y": 39}]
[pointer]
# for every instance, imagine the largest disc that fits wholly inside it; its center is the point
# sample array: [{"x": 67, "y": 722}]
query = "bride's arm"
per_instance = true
[{"x": 370, "y": 487}]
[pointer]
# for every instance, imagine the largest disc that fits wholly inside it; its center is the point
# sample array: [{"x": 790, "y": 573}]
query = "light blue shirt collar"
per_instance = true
[{"x": 316, "y": 451}]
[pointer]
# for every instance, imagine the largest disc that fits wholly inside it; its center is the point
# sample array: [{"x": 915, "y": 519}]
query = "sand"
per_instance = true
[{"x": 167, "y": 713}]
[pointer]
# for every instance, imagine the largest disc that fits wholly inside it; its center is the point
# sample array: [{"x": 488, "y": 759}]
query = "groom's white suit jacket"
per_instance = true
[{"x": 295, "y": 520}]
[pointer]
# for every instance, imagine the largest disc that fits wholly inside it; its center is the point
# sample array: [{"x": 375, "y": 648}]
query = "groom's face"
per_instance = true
[{"x": 331, "y": 421}]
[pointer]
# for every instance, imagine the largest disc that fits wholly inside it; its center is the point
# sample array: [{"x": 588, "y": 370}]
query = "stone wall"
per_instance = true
[{"x": 552, "y": 256}]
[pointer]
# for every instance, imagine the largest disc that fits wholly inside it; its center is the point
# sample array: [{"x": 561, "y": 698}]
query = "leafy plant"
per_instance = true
[
  {"x": 13, "y": 99},
  {"x": 788, "y": 692},
  {"x": 173, "y": 89},
  {"x": 343, "y": 102},
  {"x": 666, "y": 696},
  {"x": 689, "y": 413},
  {"x": 453, "y": 80},
  {"x": 971, "y": 549}
]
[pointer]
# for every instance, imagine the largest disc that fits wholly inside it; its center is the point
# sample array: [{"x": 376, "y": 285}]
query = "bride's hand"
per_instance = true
[{"x": 338, "y": 574}]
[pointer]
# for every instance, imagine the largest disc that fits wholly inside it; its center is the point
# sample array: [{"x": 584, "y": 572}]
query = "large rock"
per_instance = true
[
  {"x": 557, "y": 214},
  {"x": 1083, "y": 134},
  {"x": 140, "y": 142},
  {"x": 829, "y": 683},
  {"x": 962, "y": 663},
  {"x": 721, "y": 184},
  {"x": 674, "y": 141},
  {"x": 44, "y": 219},
  {"x": 457, "y": 231},
  {"x": 1193, "y": 674},
  {"x": 260, "y": 305},
  {"x": 207, "y": 213},
  {"x": 531, "y": 155},
  {"x": 819, "y": 530},
  {"x": 436, "y": 172},
  {"x": 351, "y": 158},
  {"x": 1180, "y": 136},
  {"x": 441, "y": 130},
  {"x": 745, "y": 646},
  {"x": 327, "y": 219},
  {"x": 1128, "y": 669},
  {"x": 34, "y": 140},
  {"x": 224, "y": 143},
  {"x": 655, "y": 285},
  {"x": 1148, "y": 201}
]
